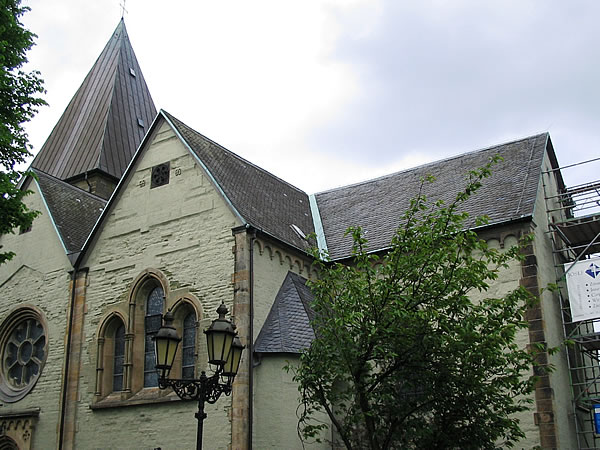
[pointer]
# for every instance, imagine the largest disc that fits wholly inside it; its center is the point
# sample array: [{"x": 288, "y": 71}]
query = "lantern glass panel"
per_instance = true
[
  {"x": 219, "y": 345},
  {"x": 233, "y": 361},
  {"x": 166, "y": 350}
]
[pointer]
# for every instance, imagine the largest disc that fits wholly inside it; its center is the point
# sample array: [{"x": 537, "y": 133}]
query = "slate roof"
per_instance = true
[
  {"x": 263, "y": 200},
  {"x": 73, "y": 210},
  {"x": 377, "y": 205},
  {"x": 99, "y": 129},
  {"x": 287, "y": 328}
]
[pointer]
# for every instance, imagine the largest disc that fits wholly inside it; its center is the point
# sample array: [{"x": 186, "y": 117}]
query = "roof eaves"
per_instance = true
[
  {"x": 486, "y": 226},
  {"x": 210, "y": 175}
]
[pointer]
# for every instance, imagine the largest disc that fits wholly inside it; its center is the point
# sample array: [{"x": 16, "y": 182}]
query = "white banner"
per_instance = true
[{"x": 583, "y": 284}]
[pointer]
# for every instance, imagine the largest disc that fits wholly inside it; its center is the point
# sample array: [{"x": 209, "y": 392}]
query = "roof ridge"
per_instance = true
[
  {"x": 235, "y": 155},
  {"x": 449, "y": 158},
  {"x": 299, "y": 282},
  {"x": 68, "y": 185}
]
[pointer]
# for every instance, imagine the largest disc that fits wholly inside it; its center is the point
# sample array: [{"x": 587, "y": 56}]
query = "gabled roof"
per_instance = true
[
  {"x": 260, "y": 198},
  {"x": 73, "y": 211},
  {"x": 378, "y": 204},
  {"x": 287, "y": 328},
  {"x": 105, "y": 121}
]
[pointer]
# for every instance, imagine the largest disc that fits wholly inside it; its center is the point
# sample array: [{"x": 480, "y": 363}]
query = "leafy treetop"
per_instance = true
[
  {"x": 404, "y": 357},
  {"x": 19, "y": 101}
]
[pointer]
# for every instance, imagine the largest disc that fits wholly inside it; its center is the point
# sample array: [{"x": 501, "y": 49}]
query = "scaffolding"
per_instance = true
[{"x": 574, "y": 229}]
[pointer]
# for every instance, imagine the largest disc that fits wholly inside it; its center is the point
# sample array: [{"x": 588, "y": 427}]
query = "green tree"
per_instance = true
[
  {"x": 404, "y": 357},
  {"x": 19, "y": 101}
]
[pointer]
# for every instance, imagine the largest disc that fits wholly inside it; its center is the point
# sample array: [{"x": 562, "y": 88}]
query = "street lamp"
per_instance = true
[{"x": 224, "y": 351}]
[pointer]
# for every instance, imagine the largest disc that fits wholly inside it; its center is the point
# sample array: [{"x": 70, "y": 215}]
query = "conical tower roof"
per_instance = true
[{"x": 106, "y": 119}]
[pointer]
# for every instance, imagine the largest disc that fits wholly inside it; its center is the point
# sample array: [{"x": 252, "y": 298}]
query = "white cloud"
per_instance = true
[{"x": 328, "y": 92}]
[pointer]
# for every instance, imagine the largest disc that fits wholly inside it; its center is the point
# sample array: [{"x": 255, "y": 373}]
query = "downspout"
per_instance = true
[
  {"x": 63, "y": 407},
  {"x": 251, "y": 341}
]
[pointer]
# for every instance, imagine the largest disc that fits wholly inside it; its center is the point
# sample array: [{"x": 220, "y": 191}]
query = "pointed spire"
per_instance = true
[{"x": 106, "y": 119}]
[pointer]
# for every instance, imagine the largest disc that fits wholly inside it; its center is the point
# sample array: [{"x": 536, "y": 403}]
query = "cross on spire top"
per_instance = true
[{"x": 123, "y": 10}]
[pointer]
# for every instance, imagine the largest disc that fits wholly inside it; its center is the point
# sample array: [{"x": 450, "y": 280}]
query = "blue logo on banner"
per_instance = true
[
  {"x": 597, "y": 419},
  {"x": 593, "y": 271}
]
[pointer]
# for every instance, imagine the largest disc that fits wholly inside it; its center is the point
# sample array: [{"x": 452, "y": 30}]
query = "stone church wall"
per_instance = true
[
  {"x": 38, "y": 277},
  {"x": 274, "y": 390},
  {"x": 554, "y": 401},
  {"x": 181, "y": 230}
]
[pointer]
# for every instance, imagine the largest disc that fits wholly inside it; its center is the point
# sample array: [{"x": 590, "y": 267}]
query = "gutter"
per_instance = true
[
  {"x": 251, "y": 340},
  {"x": 515, "y": 220}
]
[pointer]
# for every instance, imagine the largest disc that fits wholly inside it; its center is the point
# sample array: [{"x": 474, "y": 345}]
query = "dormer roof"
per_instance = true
[
  {"x": 73, "y": 211},
  {"x": 287, "y": 328}
]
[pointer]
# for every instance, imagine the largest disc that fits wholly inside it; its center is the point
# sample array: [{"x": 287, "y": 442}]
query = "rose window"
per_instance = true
[
  {"x": 24, "y": 353},
  {"x": 24, "y": 346}
]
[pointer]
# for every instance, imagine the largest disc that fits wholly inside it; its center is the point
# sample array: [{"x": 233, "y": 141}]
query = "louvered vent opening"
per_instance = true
[{"x": 160, "y": 175}]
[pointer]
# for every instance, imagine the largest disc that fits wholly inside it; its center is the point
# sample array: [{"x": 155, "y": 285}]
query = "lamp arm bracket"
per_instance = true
[{"x": 206, "y": 389}]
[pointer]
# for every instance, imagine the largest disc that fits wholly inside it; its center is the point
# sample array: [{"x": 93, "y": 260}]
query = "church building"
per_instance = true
[{"x": 140, "y": 215}]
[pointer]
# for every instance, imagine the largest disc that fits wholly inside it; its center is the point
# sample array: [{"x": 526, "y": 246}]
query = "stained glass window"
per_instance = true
[
  {"x": 154, "y": 310},
  {"x": 119, "y": 359},
  {"x": 189, "y": 346}
]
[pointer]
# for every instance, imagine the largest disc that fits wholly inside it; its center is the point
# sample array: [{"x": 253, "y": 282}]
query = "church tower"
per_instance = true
[{"x": 101, "y": 128}]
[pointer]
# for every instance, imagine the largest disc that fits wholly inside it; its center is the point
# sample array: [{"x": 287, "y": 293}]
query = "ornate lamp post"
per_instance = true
[{"x": 224, "y": 351}]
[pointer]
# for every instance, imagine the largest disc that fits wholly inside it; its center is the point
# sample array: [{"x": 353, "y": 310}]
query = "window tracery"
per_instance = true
[
  {"x": 125, "y": 358},
  {"x": 24, "y": 347}
]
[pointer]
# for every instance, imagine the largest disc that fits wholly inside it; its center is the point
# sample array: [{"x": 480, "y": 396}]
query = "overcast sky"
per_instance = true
[{"x": 324, "y": 93}]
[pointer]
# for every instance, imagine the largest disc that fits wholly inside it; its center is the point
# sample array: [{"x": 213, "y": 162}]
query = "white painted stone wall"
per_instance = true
[
  {"x": 275, "y": 395},
  {"x": 507, "y": 281},
  {"x": 276, "y": 400},
  {"x": 553, "y": 327},
  {"x": 38, "y": 276},
  {"x": 184, "y": 230}
]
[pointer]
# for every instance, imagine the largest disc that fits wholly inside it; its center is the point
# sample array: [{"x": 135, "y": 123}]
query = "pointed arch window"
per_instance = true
[
  {"x": 154, "y": 310},
  {"x": 111, "y": 362},
  {"x": 119, "y": 358},
  {"x": 188, "y": 360}
]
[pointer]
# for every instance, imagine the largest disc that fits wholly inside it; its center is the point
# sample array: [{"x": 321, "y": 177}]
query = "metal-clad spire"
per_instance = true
[{"x": 105, "y": 121}]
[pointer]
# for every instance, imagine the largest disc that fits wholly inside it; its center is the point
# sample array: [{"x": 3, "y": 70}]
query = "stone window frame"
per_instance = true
[
  {"x": 105, "y": 353},
  {"x": 25, "y": 312},
  {"x": 182, "y": 307},
  {"x": 132, "y": 313}
]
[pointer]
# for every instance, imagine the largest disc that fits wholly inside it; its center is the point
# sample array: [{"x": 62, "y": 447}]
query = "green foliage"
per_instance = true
[
  {"x": 19, "y": 101},
  {"x": 404, "y": 357}
]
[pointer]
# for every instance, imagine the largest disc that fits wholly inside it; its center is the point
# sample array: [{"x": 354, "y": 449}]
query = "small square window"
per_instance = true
[{"x": 160, "y": 175}]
